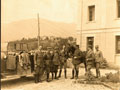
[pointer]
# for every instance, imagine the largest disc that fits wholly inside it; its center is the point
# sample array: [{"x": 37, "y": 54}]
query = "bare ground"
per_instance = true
[{"x": 61, "y": 84}]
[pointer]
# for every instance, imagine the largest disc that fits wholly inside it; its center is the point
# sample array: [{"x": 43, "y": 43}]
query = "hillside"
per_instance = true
[{"x": 28, "y": 28}]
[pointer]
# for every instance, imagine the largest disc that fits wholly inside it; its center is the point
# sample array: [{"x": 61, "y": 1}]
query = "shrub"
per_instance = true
[
  {"x": 103, "y": 63},
  {"x": 110, "y": 77}
]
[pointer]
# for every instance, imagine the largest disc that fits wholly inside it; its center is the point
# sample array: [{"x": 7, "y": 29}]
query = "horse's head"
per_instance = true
[{"x": 70, "y": 51}]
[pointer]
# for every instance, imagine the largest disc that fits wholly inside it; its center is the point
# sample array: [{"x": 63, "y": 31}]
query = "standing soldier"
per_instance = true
[
  {"x": 63, "y": 62},
  {"x": 89, "y": 59},
  {"x": 39, "y": 65},
  {"x": 47, "y": 59},
  {"x": 76, "y": 61},
  {"x": 56, "y": 61},
  {"x": 98, "y": 58},
  {"x": 51, "y": 63}
]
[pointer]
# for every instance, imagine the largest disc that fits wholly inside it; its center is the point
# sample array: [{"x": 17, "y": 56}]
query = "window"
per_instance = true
[
  {"x": 91, "y": 13},
  {"x": 117, "y": 44},
  {"x": 118, "y": 8}
]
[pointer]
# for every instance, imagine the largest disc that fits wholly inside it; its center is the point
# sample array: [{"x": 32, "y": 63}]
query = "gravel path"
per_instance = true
[{"x": 61, "y": 84}]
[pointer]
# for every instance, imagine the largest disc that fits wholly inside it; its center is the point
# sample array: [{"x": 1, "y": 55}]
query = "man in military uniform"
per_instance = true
[
  {"x": 47, "y": 59},
  {"x": 63, "y": 62},
  {"x": 76, "y": 61},
  {"x": 51, "y": 63},
  {"x": 89, "y": 59},
  {"x": 39, "y": 65},
  {"x": 98, "y": 58},
  {"x": 56, "y": 61}
]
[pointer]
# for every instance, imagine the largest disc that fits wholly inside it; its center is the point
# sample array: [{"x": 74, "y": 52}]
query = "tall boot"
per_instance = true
[
  {"x": 35, "y": 76},
  {"x": 96, "y": 73},
  {"x": 56, "y": 75},
  {"x": 65, "y": 72},
  {"x": 52, "y": 76},
  {"x": 72, "y": 74},
  {"x": 39, "y": 78},
  {"x": 47, "y": 77},
  {"x": 99, "y": 73},
  {"x": 60, "y": 72},
  {"x": 77, "y": 74}
]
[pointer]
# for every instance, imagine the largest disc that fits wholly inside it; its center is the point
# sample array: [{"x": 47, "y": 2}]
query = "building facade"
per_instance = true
[{"x": 98, "y": 23}]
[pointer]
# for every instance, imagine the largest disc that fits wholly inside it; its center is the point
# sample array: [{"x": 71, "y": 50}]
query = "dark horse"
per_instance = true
[{"x": 70, "y": 53}]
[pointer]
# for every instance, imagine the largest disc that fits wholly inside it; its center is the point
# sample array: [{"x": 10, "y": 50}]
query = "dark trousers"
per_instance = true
[
  {"x": 97, "y": 64},
  {"x": 38, "y": 73},
  {"x": 63, "y": 65},
  {"x": 89, "y": 66},
  {"x": 75, "y": 70},
  {"x": 55, "y": 70},
  {"x": 47, "y": 69}
]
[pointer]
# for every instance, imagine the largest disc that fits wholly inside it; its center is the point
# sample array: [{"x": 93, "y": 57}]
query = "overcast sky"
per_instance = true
[{"x": 55, "y": 10}]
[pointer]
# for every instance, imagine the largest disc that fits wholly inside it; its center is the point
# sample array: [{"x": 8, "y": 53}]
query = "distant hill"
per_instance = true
[{"x": 28, "y": 28}]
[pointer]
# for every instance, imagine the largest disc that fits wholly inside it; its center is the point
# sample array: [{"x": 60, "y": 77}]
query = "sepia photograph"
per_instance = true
[{"x": 60, "y": 45}]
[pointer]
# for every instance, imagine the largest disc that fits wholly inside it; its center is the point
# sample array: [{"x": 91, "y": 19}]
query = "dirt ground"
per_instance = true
[{"x": 61, "y": 84}]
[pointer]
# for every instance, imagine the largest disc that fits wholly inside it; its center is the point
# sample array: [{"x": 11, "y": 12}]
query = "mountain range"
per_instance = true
[{"x": 29, "y": 29}]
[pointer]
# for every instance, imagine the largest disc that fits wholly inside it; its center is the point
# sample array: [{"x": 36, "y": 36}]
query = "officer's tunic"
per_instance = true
[
  {"x": 98, "y": 56},
  {"x": 56, "y": 61},
  {"x": 98, "y": 59},
  {"x": 47, "y": 59},
  {"x": 89, "y": 59},
  {"x": 78, "y": 55},
  {"x": 39, "y": 62},
  {"x": 63, "y": 59}
]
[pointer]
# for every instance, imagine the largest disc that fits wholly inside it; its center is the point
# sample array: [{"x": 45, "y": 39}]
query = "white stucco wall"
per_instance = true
[{"x": 104, "y": 28}]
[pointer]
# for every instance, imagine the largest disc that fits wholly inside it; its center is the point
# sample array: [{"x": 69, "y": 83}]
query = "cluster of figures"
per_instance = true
[{"x": 54, "y": 59}]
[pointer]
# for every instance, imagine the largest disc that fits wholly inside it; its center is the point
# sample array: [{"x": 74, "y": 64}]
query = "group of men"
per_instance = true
[
  {"x": 94, "y": 58},
  {"x": 50, "y": 61}
]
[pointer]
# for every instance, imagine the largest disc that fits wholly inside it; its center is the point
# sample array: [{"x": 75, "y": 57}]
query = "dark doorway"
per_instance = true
[{"x": 90, "y": 42}]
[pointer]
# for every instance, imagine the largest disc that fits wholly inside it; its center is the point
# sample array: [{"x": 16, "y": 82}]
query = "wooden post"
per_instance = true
[
  {"x": 81, "y": 23},
  {"x": 38, "y": 31}
]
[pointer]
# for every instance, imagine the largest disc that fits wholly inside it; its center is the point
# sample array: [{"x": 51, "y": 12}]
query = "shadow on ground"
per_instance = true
[{"x": 17, "y": 82}]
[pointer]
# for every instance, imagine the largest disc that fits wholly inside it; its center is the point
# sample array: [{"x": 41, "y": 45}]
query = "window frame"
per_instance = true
[
  {"x": 88, "y": 38},
  {"x": 93, "y": 19},
  {"x": 116, "y": 43},
  {"x": 118, "y": 11}
]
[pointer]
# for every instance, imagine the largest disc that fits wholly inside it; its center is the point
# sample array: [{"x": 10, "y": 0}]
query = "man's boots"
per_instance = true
[
  {"x": 97, "y": 73},
  {"x": 52, "y": 76},
  {"x": 72, "y": 74},
  {"x": 47, "y": 77},
  {"x": 77, "y": 74},
  {"x": 65, "y": 72},
  {"x": 60, "y": 73},
  {"x": 39, "y": 78},
  {"x": 35, "y": 76},
  {"x": 56, "y": 75}
]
